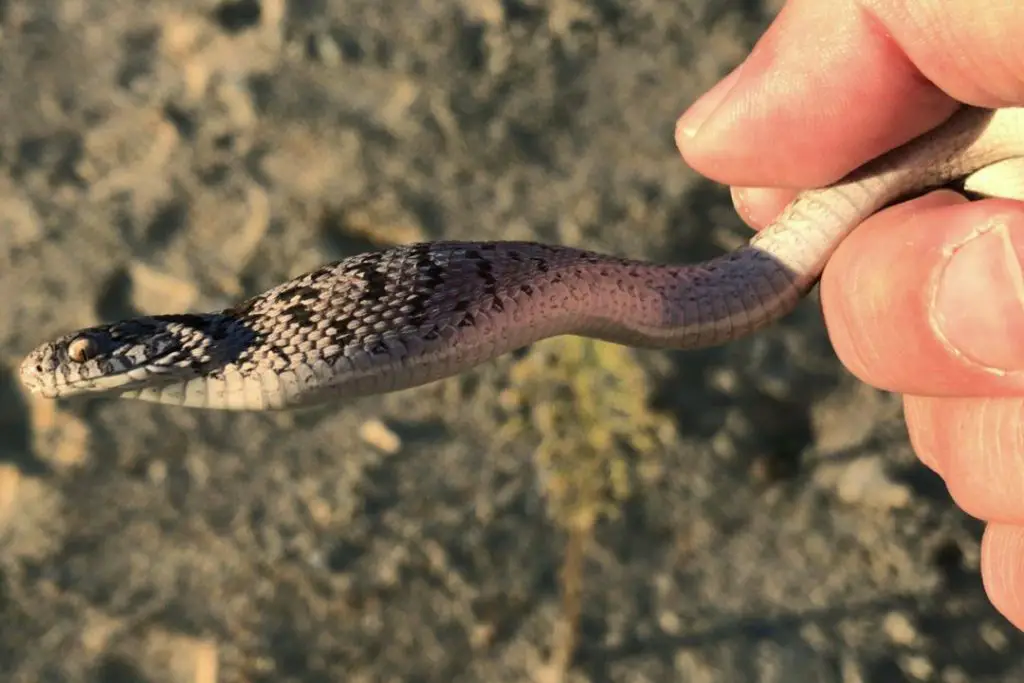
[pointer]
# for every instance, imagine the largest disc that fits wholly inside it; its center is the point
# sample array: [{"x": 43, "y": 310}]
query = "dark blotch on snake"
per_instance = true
[
  {"x": 303, "y": 292},
  {"x": 300, "y": 314}
]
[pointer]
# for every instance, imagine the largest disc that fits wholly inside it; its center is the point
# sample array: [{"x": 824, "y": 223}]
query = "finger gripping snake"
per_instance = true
[{"x": 408, "y": 315}]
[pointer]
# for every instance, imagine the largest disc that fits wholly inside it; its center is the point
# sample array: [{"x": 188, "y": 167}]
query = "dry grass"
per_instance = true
[{"x": 587, "y": 405}]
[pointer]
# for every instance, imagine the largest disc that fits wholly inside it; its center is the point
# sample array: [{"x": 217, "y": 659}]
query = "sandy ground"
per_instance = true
[{"x": 171, "y": 156}]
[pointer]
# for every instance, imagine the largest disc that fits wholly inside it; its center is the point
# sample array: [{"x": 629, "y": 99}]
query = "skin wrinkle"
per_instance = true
[
  {"x": 1013, "y": 569},
  {"x": 1018, "y": 440},
  {"x": 881, "y": 30},
  {"x": 1001, "y": 470},
  {"x": 921, "y": 438},
  {"x": 993, "y": 577},
  {"x": 964, "y": 51},
  {"x": 960, "y": 433},
  {"x": 978, "y": 433},
  {"x": 867, "y": 352},
  {"x": 1002, "y": 574},
  {"x": 1011, "y": 446},
  {"x": 872, "y": 352},
  {"x": 1014, "y": 585},
  {"x": 689, "y": 124},
  {"x": 1012, "y": 262},
  {"x": 985, "y": 440},
  {"x": 934, "y": 32},
  {"x": 976, "y": 444}
]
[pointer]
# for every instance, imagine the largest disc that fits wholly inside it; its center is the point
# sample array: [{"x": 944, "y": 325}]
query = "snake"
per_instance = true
[{"x": 408, "y": 315}]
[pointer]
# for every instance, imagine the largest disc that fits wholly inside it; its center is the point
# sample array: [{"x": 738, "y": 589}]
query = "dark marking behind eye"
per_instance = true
[{"x": 196, "y": 322}]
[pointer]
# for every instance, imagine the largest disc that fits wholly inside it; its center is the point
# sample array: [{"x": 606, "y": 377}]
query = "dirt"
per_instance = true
[{"x": 172, "y": 156}]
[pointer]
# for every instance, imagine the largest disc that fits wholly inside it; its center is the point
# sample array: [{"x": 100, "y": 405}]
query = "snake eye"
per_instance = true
[{"x": 81, "y": 349}]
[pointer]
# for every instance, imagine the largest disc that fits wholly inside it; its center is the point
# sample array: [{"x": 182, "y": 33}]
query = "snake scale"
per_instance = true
[{"x": 400, "y": 317}]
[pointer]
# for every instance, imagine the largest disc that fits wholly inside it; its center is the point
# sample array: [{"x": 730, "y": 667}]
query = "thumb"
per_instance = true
[{"x": 927, "y": 298}]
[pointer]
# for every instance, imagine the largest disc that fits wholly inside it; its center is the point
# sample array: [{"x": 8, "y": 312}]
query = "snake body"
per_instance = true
[{"x": 405, "y": 316}]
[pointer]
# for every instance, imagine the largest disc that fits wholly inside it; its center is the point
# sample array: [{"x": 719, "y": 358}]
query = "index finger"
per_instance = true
[{"x": 834, "y": 83}]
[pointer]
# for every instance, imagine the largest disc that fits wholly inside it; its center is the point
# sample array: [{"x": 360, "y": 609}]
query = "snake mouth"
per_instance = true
[
  {"x": 63, "y": 382},
  {"x": 115, "y": 383}
]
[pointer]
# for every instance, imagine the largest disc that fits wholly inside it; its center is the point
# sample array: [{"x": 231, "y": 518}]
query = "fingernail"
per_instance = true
[
  {"x": 699, "y": 112},
  {"x": 751, "y": 203},
  {"x": 979, "y": 299},
  {"x": 739, "y": 197}
]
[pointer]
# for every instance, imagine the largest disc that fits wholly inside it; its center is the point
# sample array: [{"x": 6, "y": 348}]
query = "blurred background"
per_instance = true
[{"x": 574, "y": 512}]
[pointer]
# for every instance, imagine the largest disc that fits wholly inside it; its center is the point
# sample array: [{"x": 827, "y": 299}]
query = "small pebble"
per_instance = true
[
  {"x": 865, "y": 482},
  {"x": 380, "y": 436},
  {"x": 851, "y": 670},
  {"x": 183, "y": 659},
  {"x": 19, "y": 222},
  {"x": 994, "y": 637},
  {"x": 10, "y": 480},
  {"x": 60, "y": 438},
  {"x": 899, "y": 628},
  {"x": 156, "y": 291},
  {"x": 918, "y": 667},
  {"x": 670, "y": 623}
]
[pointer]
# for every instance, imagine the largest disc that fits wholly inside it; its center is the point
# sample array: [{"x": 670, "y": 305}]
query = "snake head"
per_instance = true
[{"x": 118, "y": 357}]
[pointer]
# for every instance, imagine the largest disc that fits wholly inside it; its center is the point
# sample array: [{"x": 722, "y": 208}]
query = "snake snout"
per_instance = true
[{"x": 37, "y": 371}]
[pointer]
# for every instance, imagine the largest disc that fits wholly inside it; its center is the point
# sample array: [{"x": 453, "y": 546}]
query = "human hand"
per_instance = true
[{"x": 925, "y": 298}]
